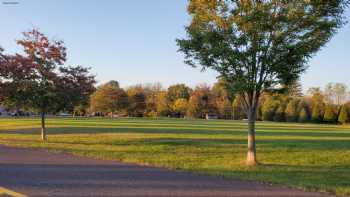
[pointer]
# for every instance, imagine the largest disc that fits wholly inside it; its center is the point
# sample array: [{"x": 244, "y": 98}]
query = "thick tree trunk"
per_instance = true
[
  {"x": 43, "y": 128},
  {"x": 251, "y": 155}
]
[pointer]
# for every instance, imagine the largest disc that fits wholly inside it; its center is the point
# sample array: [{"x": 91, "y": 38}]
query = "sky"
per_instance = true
[{"x": 133, "y": 41}]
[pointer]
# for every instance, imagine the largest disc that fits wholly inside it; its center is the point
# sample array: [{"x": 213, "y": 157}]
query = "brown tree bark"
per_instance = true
[
  {"x": 251, "y": 155},
  {"x": 43, "y": 127},
  {"x": 252, "y": 106}
]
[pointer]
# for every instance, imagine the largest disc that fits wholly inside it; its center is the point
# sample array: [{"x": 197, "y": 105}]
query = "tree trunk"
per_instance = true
[
  {"x": 43, "y": 128},
  {"x": 251, "y": 155}
]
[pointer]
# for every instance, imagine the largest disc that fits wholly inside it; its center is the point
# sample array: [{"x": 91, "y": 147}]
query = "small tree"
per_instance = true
[
  {"x": 343, "y": 115},
  {"x": 303, "y": 116},
  {"x": 200, "y": 102},
  {"x": 280, "y": 115},
  {"x": 137, "y": 101},
  {"x": 151, "y": 92},
  {"x": 317, "y": 112},
  {"x": 258, "y": 45},
  {"x": 292, "y": 112},
  {"x": 180, "y": 106},
  {"x": 329, "y": 114},
  {"x": 162, "y": 104},
  {"x": 178, "y": 91},
  {"x": 222, "y": 99},
  {"x": 237, "y": 109},
  {"x": 269, "y": 108},
  {"x": 38, "y": 80},
  {"x": 318, "y": 106}
]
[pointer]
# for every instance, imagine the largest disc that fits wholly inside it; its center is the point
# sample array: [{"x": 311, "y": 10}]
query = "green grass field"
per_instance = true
[{"x": 307, "y": 156}]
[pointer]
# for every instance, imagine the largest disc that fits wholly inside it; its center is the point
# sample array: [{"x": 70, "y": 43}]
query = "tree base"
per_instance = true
[
  {"x": 44, "y": 139},
  {"x": 43, "y": 136},
  {"x": 251, "y": 163},
  {"x": 251, "y": 159}
]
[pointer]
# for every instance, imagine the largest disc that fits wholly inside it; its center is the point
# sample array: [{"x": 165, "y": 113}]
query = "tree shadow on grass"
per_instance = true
[
  {"x": 177, "y": 130},
  {"x": 290, "y": 144}
]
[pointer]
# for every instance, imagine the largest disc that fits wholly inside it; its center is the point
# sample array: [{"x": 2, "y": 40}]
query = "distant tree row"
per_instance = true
[
  {"x": 152, "y": 100},
  {"x": 329, "y": 105}
]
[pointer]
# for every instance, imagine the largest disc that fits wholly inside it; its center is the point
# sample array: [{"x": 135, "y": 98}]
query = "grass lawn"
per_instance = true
[{"x": 308, "y": 156}]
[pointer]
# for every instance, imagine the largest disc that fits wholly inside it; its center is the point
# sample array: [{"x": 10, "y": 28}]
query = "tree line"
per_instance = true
[
  {"x": 154, "y": 101},
  {"x": 329, "y": 105}
]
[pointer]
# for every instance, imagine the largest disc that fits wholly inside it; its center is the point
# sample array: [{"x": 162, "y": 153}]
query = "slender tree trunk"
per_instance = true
[
  {"x": 43, "y": 128},
  {"x": 251, "y": 155}
]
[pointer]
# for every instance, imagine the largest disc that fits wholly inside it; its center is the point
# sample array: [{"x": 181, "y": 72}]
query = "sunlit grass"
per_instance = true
[{"x": 307, "y": 156}]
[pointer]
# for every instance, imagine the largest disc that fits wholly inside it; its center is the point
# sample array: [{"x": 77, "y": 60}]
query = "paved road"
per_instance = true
[{"x": 40, "y": 173}]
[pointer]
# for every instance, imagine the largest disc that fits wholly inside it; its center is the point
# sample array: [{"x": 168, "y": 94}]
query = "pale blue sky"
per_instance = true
[{"x": 134, "y": 41}]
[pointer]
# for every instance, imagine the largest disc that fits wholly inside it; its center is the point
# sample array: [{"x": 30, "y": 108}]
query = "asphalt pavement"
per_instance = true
[{"x": 39, "y": 173}]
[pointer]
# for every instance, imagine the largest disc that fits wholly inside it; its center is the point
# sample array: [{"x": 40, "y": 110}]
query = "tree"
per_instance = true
[
  {"x": 151, "y": 92},
  {"x": 199, "y": 103},
  {"x": 238, "y": 111},
  {"x": 180, "y": 106},
  {"x": 137, "y": 101},
  {"x": 304, "y": 109},
  {"x": 280, "y": 115},
  {"x": 343, "y": 115},
  {"x": 37, "y": 78},
  {"x": 178, "y": 91},
  {"x": 109, "y": 98},
  {"x": 269, "y": 108},
  {"x": 222, "y": 99},
  {"x": 318, "y": 105},
  {"x": 162, "y": 104},
  {"x": 317, "y": 113},
  {"x": 329, "y": 114},
  {"x": 340, "y": 91},
  {"x": 294, "y": 89},
  {"x": 335, "y": 93},
  {"x": 258, "y": 45},
  {"x": 292, "y": 110},
  {"x": 303, "y": 116}
]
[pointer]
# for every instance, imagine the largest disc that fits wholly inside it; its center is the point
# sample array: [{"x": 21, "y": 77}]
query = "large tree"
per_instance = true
[
  {"x": 37, "y": 78},
  {"x": 258, "y": 45}
]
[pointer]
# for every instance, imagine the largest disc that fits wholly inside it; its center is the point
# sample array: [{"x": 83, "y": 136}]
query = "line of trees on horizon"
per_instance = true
[{"x": 330, "y": 105}]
